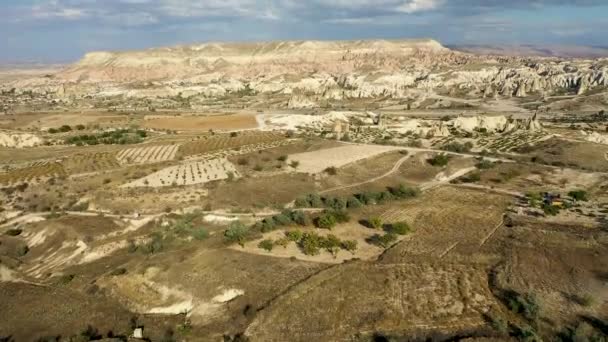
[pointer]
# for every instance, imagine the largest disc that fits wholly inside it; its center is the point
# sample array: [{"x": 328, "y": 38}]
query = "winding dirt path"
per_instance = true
[{"x": 390, "y": 172}]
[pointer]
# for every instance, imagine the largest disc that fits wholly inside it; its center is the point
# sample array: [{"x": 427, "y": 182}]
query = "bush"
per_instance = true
[
  {"x": 457, "y": 147},
  {"x": 331, "y": 171},
  {"x": 294, "y": 235},
  {"x": 349, "y": 245},
  {"x": 484, "y": 164},
  {"x": 375, "y": 222},
  {"x": 282, "y": 158},
  {"x": 80, "y": 127},
  {"x": 315, "y": 201},
  {"x": 527, "y": 305},
  {"x": 578, "y": 195},
  {"x": 310, "y": 243},
  {"x": 267, "y": 245},
  {"x": 301, "y": 218},
  {"x": 283, "y": 219},
  {"x": 236, "y": 232},
  {"x": 326, "y": 221},
  {"x": 294, "y": 164},
  {"x": 200, "y": 234},
  {"x": 472, "y": 178},
  {"x": 341, "y": 216},
  {"x": 22, "y": 250},
  {"x": 403, "y": 191},
  {"x": 155, "y": 245},
  {"x": 439, "y": 160},
  {"x": 336, "y": 203},
  {"x": 383, "y": 241},
  {"x": 14, "y": 232},
  {"x": 119, "y": 271},
  {"x": 268, "y": 224},
  {"x": 399, "y": 228},
  {"x": 550, "y": 210},
  {"x": 283, "y": 242},
  {"x": 353, "y": 203}
]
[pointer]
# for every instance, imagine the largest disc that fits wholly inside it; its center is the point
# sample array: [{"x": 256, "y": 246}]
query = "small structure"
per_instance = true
[{"x": 138, "y": 333}]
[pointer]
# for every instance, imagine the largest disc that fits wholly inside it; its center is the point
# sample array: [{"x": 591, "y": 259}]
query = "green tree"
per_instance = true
[
  {"x": 236, "y": 232},
  {"x": 326, "y": 221}
]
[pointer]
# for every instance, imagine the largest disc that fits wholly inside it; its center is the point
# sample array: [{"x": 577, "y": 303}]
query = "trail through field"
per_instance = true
[
  {"x": 491, "y": 233},
  {"x": 390, "y": 172},
  {"x": 491, "y": 189},
  {"x": 452, "y": 246},
  {"x": 442, "y": 179}
]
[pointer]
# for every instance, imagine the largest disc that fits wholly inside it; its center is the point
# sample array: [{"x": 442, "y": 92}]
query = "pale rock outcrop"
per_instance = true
[{"x": 19, "y": 140}]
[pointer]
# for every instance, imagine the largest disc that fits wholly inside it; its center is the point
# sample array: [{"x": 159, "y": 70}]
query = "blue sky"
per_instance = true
[{"x": 63, "y": 30}]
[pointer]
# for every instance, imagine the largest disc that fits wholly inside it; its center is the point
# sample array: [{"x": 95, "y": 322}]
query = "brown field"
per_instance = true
[
  {"x": 582, "y": 155},
  {"x": 201, "y": 123},
  {"x": 220, "y": 142}
]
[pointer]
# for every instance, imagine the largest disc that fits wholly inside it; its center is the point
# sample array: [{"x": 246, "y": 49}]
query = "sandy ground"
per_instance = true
[
  {"x": 317, "y": 161},
  {"x": 202, "y": 123}
]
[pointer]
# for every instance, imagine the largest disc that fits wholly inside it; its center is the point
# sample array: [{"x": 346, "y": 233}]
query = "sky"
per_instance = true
[{"x": 63, "y": 30}]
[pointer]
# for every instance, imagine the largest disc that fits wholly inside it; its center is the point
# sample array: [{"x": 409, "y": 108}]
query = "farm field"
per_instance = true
[
  {"x": 224, "y": 141},
  {"x": 35, "y": 172},
  {"x": 90, "y": 162},
  {"x": 147, "y": 154},
  {"x": 189, "y": 173},
  {"x": 317, "y": 161},
  {"x": 201, "y": 123}
]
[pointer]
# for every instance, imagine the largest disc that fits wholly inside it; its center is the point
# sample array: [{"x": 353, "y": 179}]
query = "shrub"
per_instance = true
[
  {"x": 301, "y": 218},
  {"x": 527, "y": 305},
  {"x": 578, "y": 195},
  {"x": 301, "y": 202},
  {"x": 80, "y": 127},
  {"x": 439, "y": 160},
  {"x": 349, "y": 245},
  {"x": 331, "y": 171},
  {"x": 353, "y": 203},
  {"x": 236, "y": 232},
  {"x": 315, "y": 201},
  {"x": 399, "y": 228},
  {"x": 294, "y": 235},
  {"x": 484, "y": 164},
  {"x": 283, "y": 242},
  {"x": 14, "y": 232},
  {"x": 233, "y": 134},
  {"x": 383, "y": 241},
  {"x": 341, "y": 216},
  {"x": 66, "y": 279},
  {"x": 119, "y": 271},
  {"x": 22, "y": 250},
  {"x": 472, "y": 178},
  {"x": 457, "y": 147},
  {"x": 375, "y": 222},
  {"x": 283, "y": 219},
  {"x": 155, "y": 245},
  {"x": 326, "y": 221},
  {"x": 310, "y": 243},
  {"x": 403, "y": 191},
  {"x": 267, "y": 245},
  {"x": 200, "y": 234},
  {"x": 336, "y": 203},
  {"x": 384, "y": 196},
  {"x": 258, "y": 167},
  {"x": 550, "y": 210},
  {"x": 268, "y": 224},
  {"x": 282, "y": 158},
  {"x": 294, "y": 164},
  {"x": 242, "y": 161}
]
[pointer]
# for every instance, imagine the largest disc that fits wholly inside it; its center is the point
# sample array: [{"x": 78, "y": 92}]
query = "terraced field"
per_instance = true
[
  {"x": 90, "y": 162},
  {"x": 225, "y": 141},
  {"x": 35, "y": 172},
  {"x": 147, "y": 154},
  {"x": 189, "y": 173}
]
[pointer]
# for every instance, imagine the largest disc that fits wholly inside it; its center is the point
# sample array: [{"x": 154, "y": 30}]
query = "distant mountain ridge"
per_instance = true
[{"x": 562, "y": 51}]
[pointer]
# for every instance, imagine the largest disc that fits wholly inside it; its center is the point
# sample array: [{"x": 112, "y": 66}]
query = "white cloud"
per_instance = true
[{"x": 413, "y": 6}]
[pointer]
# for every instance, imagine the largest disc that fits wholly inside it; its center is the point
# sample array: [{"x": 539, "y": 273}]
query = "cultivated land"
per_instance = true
[{"x": 305, "y": 191}]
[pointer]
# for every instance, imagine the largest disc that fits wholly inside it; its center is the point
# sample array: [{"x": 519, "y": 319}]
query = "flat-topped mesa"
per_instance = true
[{"x": 174, "y": 62}]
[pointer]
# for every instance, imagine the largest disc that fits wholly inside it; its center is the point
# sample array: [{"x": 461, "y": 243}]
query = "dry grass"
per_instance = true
[{"x": 201, "y": 123}]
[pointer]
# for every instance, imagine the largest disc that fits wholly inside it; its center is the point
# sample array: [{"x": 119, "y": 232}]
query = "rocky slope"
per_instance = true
[{"x": 310, "y": 72}]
